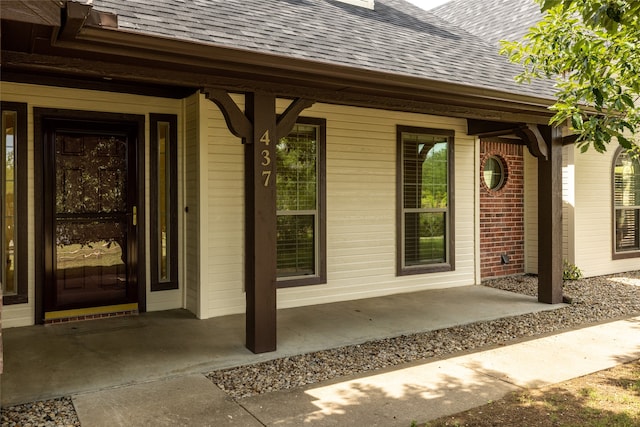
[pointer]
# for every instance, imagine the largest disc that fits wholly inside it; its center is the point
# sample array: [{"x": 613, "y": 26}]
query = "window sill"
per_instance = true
[
  {"x": 625, "y": 255},
  {"x": 14, "y": 299},
  {"x": 165, "y": 286},
  {"x": 305, "y": 281},
  {"x": 426, "y": 269}
]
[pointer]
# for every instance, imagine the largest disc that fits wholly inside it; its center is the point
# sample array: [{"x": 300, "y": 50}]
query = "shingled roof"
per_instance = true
[
  {"x": 396, "y": 37},
  {"x": 491, "y": 20}
]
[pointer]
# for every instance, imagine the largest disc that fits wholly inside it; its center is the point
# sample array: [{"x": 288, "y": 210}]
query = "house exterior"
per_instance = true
[
  {"x": 600, "y": 233},
  {"x": 243, "y": 156}
]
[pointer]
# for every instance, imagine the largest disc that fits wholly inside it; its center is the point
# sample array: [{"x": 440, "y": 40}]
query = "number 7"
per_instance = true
[{"x": 266, "y": 175}]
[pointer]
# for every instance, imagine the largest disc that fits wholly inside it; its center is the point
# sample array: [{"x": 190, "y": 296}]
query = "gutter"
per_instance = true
[
  {"x": 201, "y": 54},
  {"x": 89, "y": 30}
]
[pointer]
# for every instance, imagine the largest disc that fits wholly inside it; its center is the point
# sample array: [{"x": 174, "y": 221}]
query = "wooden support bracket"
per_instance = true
[
  {"x": 237, "y": 122},
  {"x": 287, "y": 120},
  {"x": 536, "y": 144}
]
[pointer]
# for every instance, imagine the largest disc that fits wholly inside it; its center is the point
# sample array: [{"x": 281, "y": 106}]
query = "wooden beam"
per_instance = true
[
  {"x": 550, "y": 218},
  {"x": 488, "y": 128},
  {"x": 237, "y": 122},
  {"x": 290, "y": 86},
  {"x": 288, "y": 119},
  {"x": 502, "y": 140}
]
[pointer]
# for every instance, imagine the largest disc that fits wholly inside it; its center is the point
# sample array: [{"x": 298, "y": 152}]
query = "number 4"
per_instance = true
[{"x": 265, "y": 137}]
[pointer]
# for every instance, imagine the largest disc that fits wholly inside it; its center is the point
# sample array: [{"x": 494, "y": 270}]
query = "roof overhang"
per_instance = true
[{"x": 85, "y": 44}]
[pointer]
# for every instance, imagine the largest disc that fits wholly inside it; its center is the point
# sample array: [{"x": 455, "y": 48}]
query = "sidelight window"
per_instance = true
[
  {"x": 164, "y": 202},
  {"x": 13, "y": 208}
]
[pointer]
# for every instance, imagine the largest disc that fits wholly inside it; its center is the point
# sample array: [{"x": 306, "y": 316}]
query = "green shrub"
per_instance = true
[{"x": 570, "y": 271}]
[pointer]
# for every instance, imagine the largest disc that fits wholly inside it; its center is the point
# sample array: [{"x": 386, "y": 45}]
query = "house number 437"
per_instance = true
[{"x": 266, "y": 158}]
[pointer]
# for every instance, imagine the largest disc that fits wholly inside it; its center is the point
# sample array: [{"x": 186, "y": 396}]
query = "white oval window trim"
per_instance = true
[{"x": 493, "y": 173}]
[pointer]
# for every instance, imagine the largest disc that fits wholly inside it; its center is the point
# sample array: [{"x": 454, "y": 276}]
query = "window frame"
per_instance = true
[
  {"x": 21, "y": 201},
  {"x": 615, "y": 254},
  {"x": 449, "y": 264},
  {"x": 171, "y": 151},
  {"x": 502, "y": 165},
  {"x": 321, "y": 247}
]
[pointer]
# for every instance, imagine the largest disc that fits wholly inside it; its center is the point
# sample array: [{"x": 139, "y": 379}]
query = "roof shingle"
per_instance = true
[
  {"x": 492, "y": 20},
  {"x": 396, "y": 37}
]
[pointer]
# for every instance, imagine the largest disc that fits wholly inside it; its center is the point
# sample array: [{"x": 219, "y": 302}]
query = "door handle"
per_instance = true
[{"x": 135, "y": 215}]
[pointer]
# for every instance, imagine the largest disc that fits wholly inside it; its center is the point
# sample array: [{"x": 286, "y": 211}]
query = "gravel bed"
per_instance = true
[
  {"x": 46, "y": 413},
  {"x": 591, "y": 300}
]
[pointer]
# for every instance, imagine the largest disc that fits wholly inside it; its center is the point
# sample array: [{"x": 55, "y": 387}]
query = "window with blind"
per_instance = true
[
  {"x": 425, "y": 208},
  {"x": 300, "y": 197},
  {"x": 626, "y": 195},
  {"x": 13, "y": 203}
]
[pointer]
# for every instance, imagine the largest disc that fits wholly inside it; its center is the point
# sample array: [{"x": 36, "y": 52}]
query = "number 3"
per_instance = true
[{"x": 266, "y": 160}]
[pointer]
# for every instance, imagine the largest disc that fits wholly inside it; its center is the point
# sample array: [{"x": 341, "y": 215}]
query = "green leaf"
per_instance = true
[
  {"x": 627, "y": 100},
  {"x": 598, "y": 94},
  {"x": 576, "y": 121},
  {"x": 625, "y": 143},
  {"x": 548, "y": 4}
]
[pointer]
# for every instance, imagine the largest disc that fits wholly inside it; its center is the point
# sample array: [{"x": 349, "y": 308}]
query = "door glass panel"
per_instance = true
[
  {"x": 91, "y": 261},
  {"x": 89, "y": 174},
  {"x": 90, "y": 219}
]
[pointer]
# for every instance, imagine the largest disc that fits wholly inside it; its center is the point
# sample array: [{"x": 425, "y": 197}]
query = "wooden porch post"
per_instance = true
[
  {"x": 260, "y": 224},
  {"x": 260, "y": 129},
  {"x": 550, "y": 218}
]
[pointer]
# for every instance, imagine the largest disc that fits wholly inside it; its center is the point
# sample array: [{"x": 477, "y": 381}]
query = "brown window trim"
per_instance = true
[
  {"x": 321, "y": 276},
  {"x": 172, "y": 152},
  {"x": 434, "y": 268},
  {"x": 21, "y": 148},
  {"x": 614, "y": 254}
]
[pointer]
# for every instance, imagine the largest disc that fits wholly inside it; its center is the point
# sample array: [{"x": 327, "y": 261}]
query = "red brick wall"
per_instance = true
[{"x": 502, "y": 213}]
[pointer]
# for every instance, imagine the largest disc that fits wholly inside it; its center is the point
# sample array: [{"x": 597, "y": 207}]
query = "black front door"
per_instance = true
[{"x": 90, "y": 214}]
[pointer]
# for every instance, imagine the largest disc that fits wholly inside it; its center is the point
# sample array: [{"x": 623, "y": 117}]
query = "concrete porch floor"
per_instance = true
[{"x": 42, "y": 362}]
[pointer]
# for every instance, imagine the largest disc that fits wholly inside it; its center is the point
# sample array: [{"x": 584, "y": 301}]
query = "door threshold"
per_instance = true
[{"x": 90, "y": 313}]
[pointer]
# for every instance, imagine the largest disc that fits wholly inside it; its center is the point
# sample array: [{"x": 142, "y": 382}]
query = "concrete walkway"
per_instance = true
[
  {"x": 60, "y": 360},
  {"x": 390, "y": 397}
]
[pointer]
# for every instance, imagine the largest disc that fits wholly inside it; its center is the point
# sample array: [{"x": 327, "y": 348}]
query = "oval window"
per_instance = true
[{"x": 493, "y": 173}]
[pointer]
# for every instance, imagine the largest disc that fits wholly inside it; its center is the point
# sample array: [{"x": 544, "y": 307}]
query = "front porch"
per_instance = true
[{"x": 42, "y": 362}]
